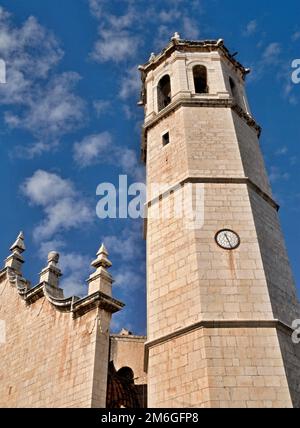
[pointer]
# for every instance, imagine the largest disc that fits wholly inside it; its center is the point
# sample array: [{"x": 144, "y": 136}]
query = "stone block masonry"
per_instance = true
[{"x": 56, "y": 351}]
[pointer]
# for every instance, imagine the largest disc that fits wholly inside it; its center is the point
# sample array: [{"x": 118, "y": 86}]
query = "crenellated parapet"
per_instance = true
[{"x": 100, "y": 283}]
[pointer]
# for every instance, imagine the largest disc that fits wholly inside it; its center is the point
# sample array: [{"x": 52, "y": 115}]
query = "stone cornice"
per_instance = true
[
  {"x": 75, "y": 305},
  {"x": 129, "y": 337},
  {"x": 210, "y": 102},
  {"x": 214, "y": 324},
  {"x": 193, "y": 46},
  {"x": 215, "y": 180}
]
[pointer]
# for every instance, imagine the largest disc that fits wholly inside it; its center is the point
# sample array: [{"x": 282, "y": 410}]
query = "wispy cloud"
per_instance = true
[
  {"x": 251, "y": 28},
  {"x": 269, "y": 58},
  {"x": 37, "y": 100},
  {"x": 117, "y": 40},
  {"x": 282, "y": 151},
  {"x": 127, "y": 246},
  {"x": 102, "y": 107},
  {"x": 130, "y": 83},
  {"x": 93, "y": 149},
  {"x": 271, "y": 54},
  {"x": 100, "y": 149},
  {"x": 62, "y": 206},
  {"x": 296, "y": 36},
  {"x": 190, "y": 28},
  {"x": 117, "y": 33},
  {"x": 277, "y": 175}
]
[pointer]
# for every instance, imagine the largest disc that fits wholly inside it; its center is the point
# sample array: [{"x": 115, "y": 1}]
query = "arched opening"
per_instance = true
[
  {"x": 121, "y": 390},
  {"x": 164, "y": 92},
  {"x": 200, "y": 79}
]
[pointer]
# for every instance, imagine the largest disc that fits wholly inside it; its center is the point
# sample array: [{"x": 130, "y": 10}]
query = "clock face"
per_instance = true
[{"x": 228, "y": 239}]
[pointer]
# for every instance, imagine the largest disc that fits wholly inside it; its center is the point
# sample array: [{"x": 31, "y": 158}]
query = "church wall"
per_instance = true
[
  {"x": 209, "y": 138},
  {"x": 48, "y": 359},
  {"x": 218, "y": 368}
]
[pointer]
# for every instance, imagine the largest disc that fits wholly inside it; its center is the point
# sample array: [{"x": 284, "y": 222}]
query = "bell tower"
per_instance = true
[{"x": 221, "y": 297}]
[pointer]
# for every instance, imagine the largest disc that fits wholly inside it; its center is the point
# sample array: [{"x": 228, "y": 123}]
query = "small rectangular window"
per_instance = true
[{"x": 166, "y": 139}]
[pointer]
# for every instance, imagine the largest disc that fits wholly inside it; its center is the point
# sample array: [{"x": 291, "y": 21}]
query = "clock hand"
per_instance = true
[{"x": 228, "y": 240}]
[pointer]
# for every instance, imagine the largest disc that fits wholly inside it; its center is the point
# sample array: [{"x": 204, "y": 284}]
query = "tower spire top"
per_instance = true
[
  {"x": 102, "y": 258},
  {"x": 19, "y": 245},
  {"x": 15, "y": 260},
  {"x": 101, "y": 280}
]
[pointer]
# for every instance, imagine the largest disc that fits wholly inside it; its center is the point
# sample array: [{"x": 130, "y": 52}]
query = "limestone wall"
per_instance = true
[
  {"x": 128, "y": 351},
  {"x": 50, "y": 359},
  {"x": 236, "y": 367}
]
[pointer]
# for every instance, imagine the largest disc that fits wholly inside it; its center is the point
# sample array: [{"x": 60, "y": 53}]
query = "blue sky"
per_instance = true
[{"x": 69, "y": 121}]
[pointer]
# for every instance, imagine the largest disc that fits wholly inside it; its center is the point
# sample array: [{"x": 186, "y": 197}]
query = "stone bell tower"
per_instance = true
[{"x": 221, "y": 296}]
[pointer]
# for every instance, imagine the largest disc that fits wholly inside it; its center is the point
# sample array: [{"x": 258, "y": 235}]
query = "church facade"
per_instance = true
[{"x": 221, "y": 298}]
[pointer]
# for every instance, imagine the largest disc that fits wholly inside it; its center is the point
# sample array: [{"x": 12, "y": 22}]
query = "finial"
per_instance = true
[
  {"x": 102, "y": 258},
  {"x": 152, "y": 57},
  {"x": 53, "y": 258},
  {"x": 176, "y": 36},
  {"x": 19, "y": 245},
  {"x": 15, "y": 260},
  {"x": 220, "y": 42},
  {"x": 101, "y": 279},
  {"x": 51, "y": 273}
]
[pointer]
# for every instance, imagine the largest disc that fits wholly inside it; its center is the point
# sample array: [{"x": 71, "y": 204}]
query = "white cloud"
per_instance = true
[
  {"x": 76, "y": 268},
  {"x": 288, "y": 90},
  {"x": 125, "y": 245},
  {"x": 277, "y": 175},
  {"x": 96, "y": 7},
  {"x": 128, "y": 247},
  {"x": 131, "y": 83},
  {"x": 270, "y": 57},
  {"x": 92, "y": 149},
  {"x": 63, "y": 208},
  {"x": 251, "y": 28},
  {"x": 168, "y": 16},
  {"x": 115, "y": 47},
  {"x": 190, "y": 28},
  {"x": 102, "y": 106},
  {"x": 100, "y": 149},
  {"x": 271, "y": 53},
  {"x": 117, "y": 41},
  {"x": 37, "y": 100},
  {"x": 281, "y": 151},
  {"x": 296, "y": 36}
]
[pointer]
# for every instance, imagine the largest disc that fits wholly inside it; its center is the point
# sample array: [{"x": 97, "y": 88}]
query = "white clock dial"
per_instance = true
[{"x": 228, "y": 239}]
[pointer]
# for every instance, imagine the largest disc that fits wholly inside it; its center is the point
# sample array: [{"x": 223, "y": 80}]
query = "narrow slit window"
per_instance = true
[
  {"x": 166, "y": 139},
  {"x": 200, "y": 79},
  {"x": 164, "y": 92}
]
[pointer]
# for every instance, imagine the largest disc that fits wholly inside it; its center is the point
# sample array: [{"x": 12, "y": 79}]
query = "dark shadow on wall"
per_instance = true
[{"x": 121, "y": 390}]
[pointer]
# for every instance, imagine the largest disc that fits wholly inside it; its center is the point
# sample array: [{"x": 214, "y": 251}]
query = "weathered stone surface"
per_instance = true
[{"x": 193, "y": 283}]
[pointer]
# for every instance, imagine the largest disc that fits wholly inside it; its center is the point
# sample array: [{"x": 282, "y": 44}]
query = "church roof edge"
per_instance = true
[{"x": 182, "y": 45}]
